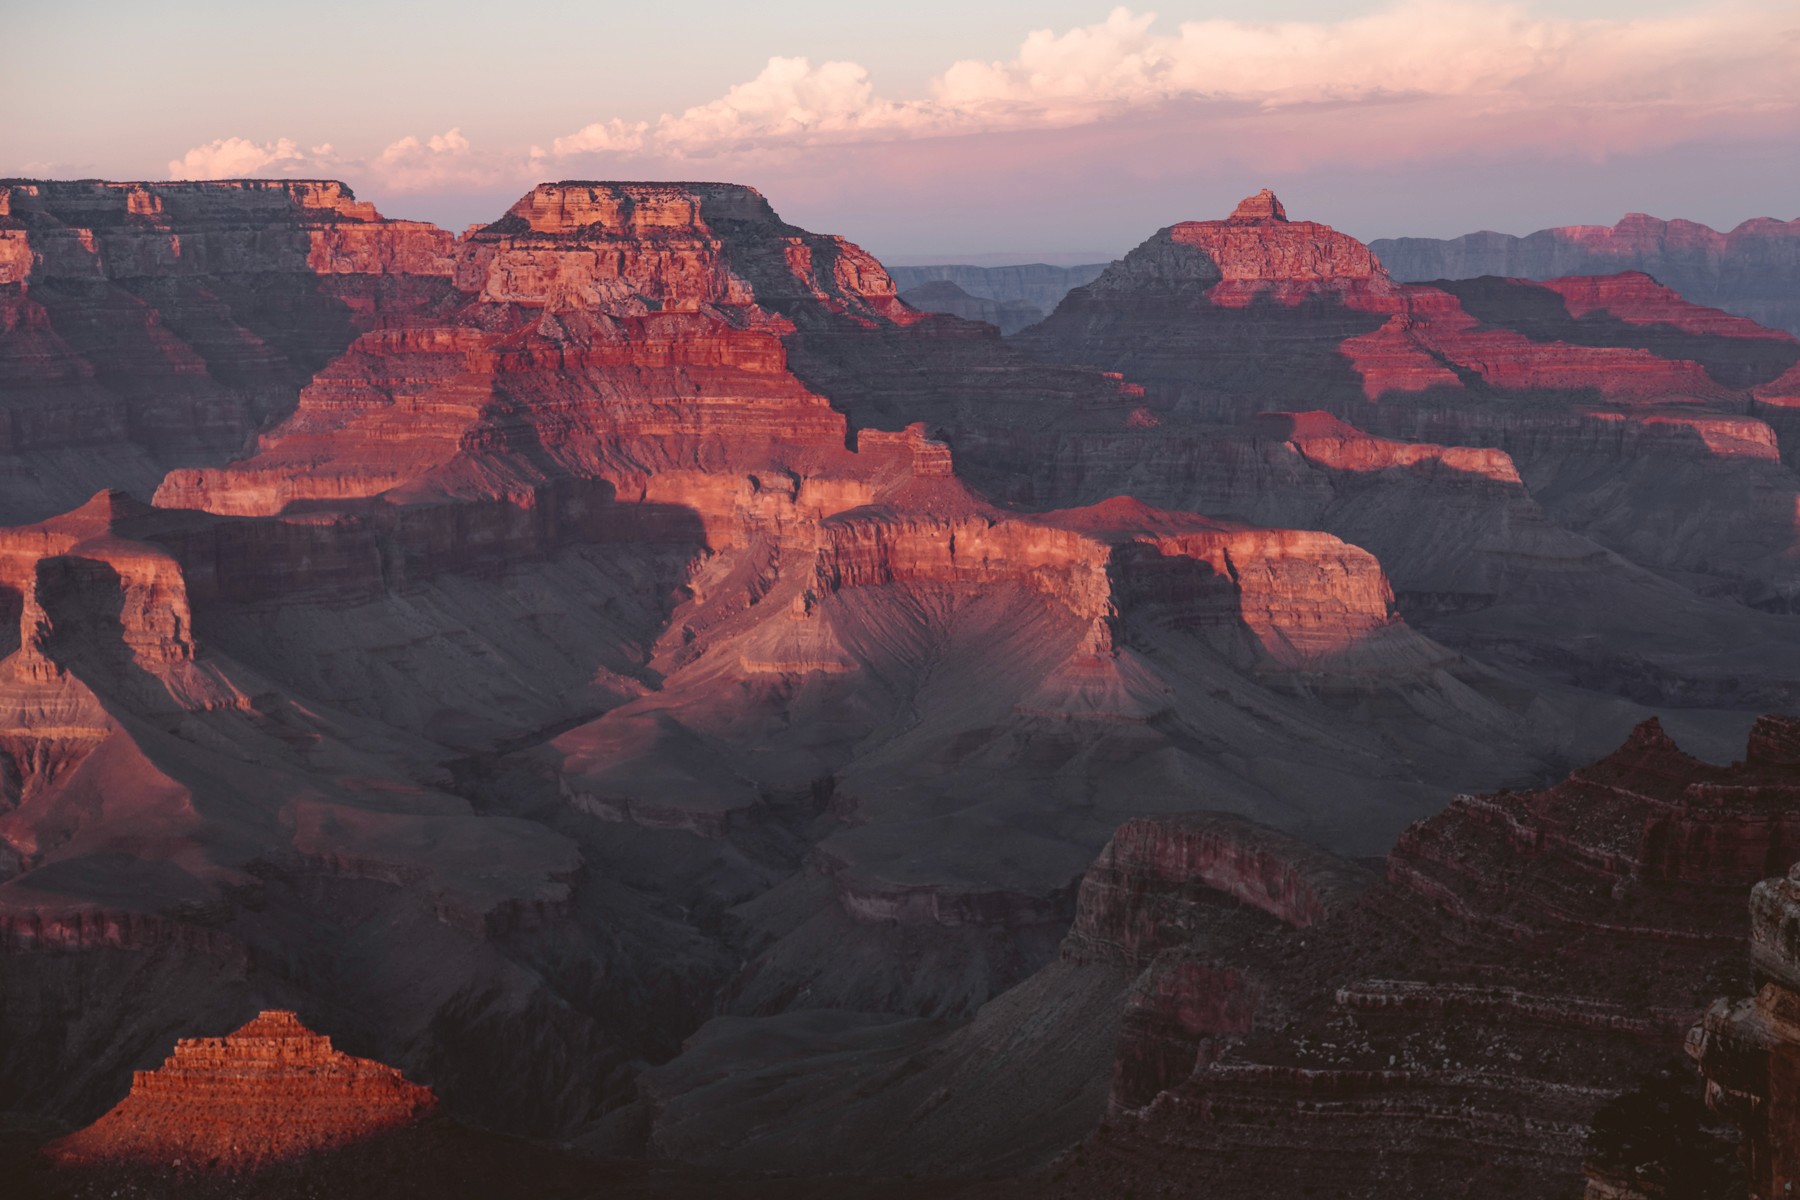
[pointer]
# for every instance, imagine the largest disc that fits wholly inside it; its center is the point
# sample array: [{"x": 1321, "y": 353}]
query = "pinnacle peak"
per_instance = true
[
  {"x": 274, "y": 1023},
  {"x": 1261, "y": 207}
]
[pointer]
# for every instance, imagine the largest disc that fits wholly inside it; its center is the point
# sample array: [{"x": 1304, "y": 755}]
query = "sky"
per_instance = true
[{"x": 942, "y": 130}]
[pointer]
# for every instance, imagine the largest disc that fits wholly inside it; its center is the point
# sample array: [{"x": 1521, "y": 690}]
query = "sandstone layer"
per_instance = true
[
  {"x": 269, "y": 1092},
  {"x": 151, "y": 325}
]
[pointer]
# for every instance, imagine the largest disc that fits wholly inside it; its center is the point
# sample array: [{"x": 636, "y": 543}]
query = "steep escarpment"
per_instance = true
[
  {"x": 1527, "y": 956},
  {"x": 1748, "y": 1047},
  {"x": 1750, "y": 270},
  {"x": 146, "y": 326}
]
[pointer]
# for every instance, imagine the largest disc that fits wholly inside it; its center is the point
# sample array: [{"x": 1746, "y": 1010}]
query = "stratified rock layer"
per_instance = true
[
  {"x": 1458, "y": 1025},
  {"x": 151, "y": 325},
  {"x": 270, "y": 1092},
  {"x": 1749, "y": 1049}
]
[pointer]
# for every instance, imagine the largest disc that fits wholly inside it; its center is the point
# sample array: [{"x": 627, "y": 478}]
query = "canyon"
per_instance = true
[{"x": 632, "y": 673}]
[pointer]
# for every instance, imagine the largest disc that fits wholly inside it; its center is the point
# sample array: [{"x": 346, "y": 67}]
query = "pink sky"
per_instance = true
[{"x": 1409, "y": 116}]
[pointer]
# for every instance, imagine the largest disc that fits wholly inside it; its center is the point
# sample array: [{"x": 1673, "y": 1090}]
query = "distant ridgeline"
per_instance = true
[
  {"x": 1010, "y": 297},
  {"x": 1753, "y": 270}
]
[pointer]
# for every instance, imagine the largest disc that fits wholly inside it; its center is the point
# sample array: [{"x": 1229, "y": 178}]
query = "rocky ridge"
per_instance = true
[{"x": 1526, "y": 956}]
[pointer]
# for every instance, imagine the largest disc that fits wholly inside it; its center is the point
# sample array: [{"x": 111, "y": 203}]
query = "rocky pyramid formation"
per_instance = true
[
  {"x": 1751, "y": 270},
  {"x": 269, "y": 1092}
]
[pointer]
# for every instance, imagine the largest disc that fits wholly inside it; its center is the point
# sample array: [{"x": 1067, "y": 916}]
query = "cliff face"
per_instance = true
[
  {"x": 145, "y": 326},
  {"x": 270, "y": 1092},
  {"x": 1750, "y": 270},
  {"x": 567, "y": 561},
  {"x": 1644, "y": 433},
  {"x": 1527, "y": 956},
  {"x": 1748, "y": 1049}
]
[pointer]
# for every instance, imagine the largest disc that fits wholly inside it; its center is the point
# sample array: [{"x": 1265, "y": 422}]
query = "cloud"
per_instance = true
[
  {"x": 410, "y": 164},
  {"x": 1411, "y": 82},
  {"x": 440, "y": 161},
  {"x": 1652, "y": 77},
  {"x": 236, "y": 158},
  {"x": 601, "y": 136}
]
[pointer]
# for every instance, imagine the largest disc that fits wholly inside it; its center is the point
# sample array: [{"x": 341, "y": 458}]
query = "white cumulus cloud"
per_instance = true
[
  {"x": 236, "y": 158},
  {"x": 1710, "y": 60}
]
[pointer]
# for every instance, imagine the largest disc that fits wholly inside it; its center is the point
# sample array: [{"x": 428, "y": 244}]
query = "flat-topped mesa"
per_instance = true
[
  {"x": 123, "y": 230},
  {"x": 631, "y": 248},
  {"x": 1279, "y": 599},
  {"x": 270, "y": 1092},
  {"x": 627, "y": 209},
  {"x": 104, "y": 202}
]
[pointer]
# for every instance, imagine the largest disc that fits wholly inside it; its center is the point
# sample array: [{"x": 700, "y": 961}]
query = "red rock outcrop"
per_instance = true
[
  {"x": 1750, "y": 270},
  {"x": 272, "y": 1091},
  {"x": 1637, "y": 422}
]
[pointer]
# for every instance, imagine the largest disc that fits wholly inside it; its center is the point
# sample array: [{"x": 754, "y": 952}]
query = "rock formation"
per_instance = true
[
  {"x": 1622, "y": 410},
  {"x": 151, "y": 325},
  {"x": 1751, "y": 270},
  {"x": 271, "y": 1091},
  {"x": 1749, "y": 1049},
  {"x": 1526, "y": 956},
  {"x": 630, "y": 626}
]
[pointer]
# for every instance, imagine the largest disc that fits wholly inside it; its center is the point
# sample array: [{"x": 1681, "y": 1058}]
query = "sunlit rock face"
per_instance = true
[
  {"x": 151, "y": 325},
  {"x": 1644, "y": 432},
  {"x": 1750, "y": 270},
  {"x": 270, "y": 1092}
]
